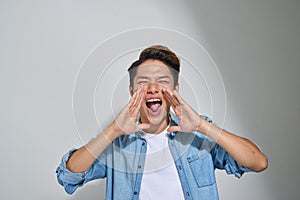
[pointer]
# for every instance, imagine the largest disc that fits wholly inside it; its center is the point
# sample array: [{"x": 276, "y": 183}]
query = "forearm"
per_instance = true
[
  {"x": 82, "y": 159},
  {"x": 241, "y": 149}
]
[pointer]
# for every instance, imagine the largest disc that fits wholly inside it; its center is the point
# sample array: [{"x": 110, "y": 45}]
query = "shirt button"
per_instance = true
[
  {"x": 143, "y": 144},
  {"x": 135, "y": 193},
  {"x": 139, "y": 166},
  {"x": 179, "y": 167}
]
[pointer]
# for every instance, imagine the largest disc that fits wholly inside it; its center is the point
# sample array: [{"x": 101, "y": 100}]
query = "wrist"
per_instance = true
[
  {"x": 209, "y": 130},
  {"x": 203, "y": 126},
  {"x": 112, "y": 132}
]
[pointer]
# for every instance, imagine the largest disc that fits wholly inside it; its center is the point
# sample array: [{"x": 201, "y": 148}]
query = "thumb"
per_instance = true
[
  {"x": 174, "y": 128},
  {"x": 144, "y": 126}
]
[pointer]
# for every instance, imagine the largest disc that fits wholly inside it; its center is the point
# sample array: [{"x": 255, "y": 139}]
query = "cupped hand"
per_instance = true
[
  {"x": 125, "y": 122},
  {"x": 189, "y": 119}
]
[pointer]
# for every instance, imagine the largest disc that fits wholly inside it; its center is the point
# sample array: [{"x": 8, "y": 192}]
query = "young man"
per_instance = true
[{"x": 149, "y": 152}]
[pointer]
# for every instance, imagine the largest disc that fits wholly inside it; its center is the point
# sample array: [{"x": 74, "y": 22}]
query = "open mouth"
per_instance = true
[{"x": 154, "y": 104}]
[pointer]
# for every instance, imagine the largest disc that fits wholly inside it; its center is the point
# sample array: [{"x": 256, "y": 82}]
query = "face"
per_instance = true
[{"x": 154, "y": 75}]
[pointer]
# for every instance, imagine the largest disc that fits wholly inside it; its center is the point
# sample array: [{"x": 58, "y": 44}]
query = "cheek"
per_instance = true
[
  {"x": 134, "y": 87},
  {"x": 169, "y": 86}
]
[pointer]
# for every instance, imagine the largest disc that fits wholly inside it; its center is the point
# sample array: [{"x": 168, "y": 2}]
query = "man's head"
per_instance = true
[
  {"x": 156, "y": 68},
  {"x": 156, "y": 52}
]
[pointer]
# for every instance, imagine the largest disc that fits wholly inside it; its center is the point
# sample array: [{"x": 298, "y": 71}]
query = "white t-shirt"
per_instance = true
[{"x": 160, "y": 179}]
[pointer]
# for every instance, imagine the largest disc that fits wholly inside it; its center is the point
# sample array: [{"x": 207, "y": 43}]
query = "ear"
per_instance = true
[
  {"x": 177, "y": 87},
  {"x": 130, "y": 90}
]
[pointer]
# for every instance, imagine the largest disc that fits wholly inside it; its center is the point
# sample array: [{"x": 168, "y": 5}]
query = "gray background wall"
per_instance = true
[{"x": 255, "y": 44}]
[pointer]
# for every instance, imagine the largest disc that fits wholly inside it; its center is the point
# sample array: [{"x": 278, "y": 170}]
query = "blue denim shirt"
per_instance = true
[{"x": 196, "y": 157}]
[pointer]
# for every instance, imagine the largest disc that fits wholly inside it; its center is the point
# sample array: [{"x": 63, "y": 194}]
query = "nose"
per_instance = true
[{"x": 153, "y": 88}]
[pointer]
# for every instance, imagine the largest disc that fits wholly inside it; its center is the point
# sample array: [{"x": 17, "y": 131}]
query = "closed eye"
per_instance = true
[
  {"x": 164, "y": 82},
  {"x": 142, "y": 82}
]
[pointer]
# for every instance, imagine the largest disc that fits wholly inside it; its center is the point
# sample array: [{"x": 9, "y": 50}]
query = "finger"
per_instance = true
[
  {"x": 178, "y": 97},
  {"x": 170, "y": 97},
  {"x": 182, "y": 102},
  {"x": 135, "y": 107},
  {"x": 137, "y": 96},
  {"x": 174, "y": 98},
  {"x": 132, "y": 99},
  {"x": 174, "y": 128},
  {"x": 167, "y": 95},
  {"x": 140, "y": 97}
]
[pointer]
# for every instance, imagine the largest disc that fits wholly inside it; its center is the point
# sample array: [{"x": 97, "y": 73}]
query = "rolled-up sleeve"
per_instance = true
[
  {"x": 71, "y": 181},
  {"x": 223, "y": 160}
]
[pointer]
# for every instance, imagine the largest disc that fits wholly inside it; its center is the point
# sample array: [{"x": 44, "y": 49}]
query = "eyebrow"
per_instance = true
[
  {"x": 158, "y": 78},
  {"x": 142, "y": 77},
  {"x": 164, "y": 76}
]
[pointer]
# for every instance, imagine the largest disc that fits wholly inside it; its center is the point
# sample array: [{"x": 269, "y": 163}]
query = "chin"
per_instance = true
[{"x": 156, "y": 118}]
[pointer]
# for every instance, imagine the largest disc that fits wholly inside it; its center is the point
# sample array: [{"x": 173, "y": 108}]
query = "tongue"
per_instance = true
[{"x": 154, "y": 107}]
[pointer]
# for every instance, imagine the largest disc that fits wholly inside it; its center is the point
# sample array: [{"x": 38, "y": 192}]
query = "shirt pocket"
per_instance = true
[{"x": 202, "y": 169}]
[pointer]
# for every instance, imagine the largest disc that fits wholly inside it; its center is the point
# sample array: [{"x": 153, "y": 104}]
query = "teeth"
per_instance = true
[{"x": 152, "y": 100}]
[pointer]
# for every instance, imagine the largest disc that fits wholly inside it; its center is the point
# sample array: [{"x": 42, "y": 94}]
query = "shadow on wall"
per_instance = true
[{"x": 94, "y": 190}]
